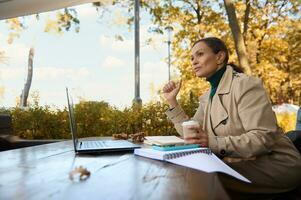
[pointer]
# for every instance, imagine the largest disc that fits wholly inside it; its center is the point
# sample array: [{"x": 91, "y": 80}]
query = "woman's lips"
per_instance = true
[{"x": 197, "y": 69}]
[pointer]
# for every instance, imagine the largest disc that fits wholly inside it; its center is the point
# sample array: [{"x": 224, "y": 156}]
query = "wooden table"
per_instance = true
[{"x": 42, "y": 172}]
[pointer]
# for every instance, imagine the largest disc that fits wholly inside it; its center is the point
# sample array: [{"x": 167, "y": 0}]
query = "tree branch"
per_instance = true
[{"x": 246, "y": 18}]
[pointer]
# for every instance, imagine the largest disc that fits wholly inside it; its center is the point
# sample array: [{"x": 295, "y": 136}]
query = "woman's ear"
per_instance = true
[{"x": 220, "y": 57}]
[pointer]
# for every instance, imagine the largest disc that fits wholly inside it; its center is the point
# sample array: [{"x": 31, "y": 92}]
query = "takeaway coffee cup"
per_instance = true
[{"x": 189, "y": 132}]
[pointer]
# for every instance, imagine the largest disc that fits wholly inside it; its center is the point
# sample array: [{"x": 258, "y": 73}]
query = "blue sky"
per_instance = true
[{"x": 92, "y": 63}]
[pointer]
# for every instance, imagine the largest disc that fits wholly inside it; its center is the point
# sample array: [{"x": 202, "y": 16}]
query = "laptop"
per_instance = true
[{"x": 94, "y": 146}]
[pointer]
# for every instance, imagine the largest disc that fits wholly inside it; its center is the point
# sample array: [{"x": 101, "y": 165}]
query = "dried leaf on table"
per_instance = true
[
  {"x": 137, "y": 137},
  {"x": 79, "y": 174},
  {"x": 120, "y": 136}
]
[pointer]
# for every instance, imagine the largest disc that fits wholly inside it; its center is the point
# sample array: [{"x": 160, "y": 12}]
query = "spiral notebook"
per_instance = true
[{"x": 199, "y": 158}]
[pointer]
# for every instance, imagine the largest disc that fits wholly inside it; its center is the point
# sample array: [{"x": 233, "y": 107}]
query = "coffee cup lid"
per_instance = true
[{"x": 190, "y": 122}]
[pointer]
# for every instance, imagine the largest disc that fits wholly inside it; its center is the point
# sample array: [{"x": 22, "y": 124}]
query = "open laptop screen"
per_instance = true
[{"x": 72, "y": 119}]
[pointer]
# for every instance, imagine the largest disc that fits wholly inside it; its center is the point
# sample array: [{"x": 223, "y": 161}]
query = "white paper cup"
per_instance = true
[{"x": 189, "y": 132}]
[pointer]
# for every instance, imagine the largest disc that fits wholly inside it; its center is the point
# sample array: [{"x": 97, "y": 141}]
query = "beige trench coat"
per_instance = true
[{"x": 242, "y": 129}]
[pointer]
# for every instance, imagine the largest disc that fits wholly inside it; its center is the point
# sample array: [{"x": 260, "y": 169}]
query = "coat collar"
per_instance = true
[
  {"x": 226, "y": 81},
  {"x": 218, "y": 112}
]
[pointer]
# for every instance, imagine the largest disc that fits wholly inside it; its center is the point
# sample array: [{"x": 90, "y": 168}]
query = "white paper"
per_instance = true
[
  {"x": 207, "y": 163},
  {"x": 199, "y": 161},
  {"x": 163, "y": 140}
]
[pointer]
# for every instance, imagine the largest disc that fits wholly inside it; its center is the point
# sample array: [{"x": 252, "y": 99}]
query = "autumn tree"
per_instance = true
[
  {"x": 272, "y": 42},
  {"x": 271, "y": 32},
  {"x": 191, "y": 20}
]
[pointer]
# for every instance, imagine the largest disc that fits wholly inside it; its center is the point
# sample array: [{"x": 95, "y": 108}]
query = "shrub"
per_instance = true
[
  {"x": 40, "y": 123},
  {"x": 93, "y": 119},
  {"x": 100, "y": 119}
]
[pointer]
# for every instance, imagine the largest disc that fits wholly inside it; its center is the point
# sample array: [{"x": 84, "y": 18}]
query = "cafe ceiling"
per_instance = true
[{"x": 17, "y": 8}]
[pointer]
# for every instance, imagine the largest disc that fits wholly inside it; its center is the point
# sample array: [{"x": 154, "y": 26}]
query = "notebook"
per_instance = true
[
  {"x": 163, "y": 140},
  {"x": 199, "y": 158}
]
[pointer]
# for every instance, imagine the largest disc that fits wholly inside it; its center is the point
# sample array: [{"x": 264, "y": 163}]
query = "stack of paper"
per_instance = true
[{"x": 163, "y": 140}]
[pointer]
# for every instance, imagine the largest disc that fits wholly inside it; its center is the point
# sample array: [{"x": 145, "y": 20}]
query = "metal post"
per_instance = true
[
  {"x": 137, "y": 99},
  {"x": 168, "y": 60},
  {"x": 169, "y": 29}
]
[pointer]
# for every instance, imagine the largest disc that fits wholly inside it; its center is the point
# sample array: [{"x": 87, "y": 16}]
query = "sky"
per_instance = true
[{"x": 92, "y": 63}]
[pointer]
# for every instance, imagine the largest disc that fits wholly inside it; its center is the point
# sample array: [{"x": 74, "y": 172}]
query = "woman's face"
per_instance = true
[{"x": 204, "y": 61}]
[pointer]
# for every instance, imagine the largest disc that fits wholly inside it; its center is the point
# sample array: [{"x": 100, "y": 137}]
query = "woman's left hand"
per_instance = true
[{"x": 200, "y": 137}]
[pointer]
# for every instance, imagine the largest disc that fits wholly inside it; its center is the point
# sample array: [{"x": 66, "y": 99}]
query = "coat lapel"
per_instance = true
[
  {"x": 206, "y": 109},
  {"x": 218, "y": 112}
]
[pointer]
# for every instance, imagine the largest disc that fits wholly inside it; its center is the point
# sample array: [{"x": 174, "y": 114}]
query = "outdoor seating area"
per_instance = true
[
  {"x": 150, "y": 100},
  {"x": 9, "y": 141}
]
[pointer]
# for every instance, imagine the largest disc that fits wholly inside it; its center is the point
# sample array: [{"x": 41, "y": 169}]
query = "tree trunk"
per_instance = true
[
  {"x": 238, "y": 38},
  {"x": 27, "y": 85}
]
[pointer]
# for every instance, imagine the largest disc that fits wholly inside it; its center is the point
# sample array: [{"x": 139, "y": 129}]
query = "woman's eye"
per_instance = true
[{"x": 200, "y": 53}]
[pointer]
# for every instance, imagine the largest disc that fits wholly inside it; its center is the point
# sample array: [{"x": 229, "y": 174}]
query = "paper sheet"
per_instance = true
[{"x": 207, "y": 163}]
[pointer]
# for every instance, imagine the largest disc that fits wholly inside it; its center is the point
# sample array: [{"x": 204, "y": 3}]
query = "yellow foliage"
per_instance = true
[
  {"x": 15, "y": 24},
  {"x": 16, "y": 27},
  {"x": 119, "y": 19},
  {"x": 64, "y": 21},
  {"x": 287, "y": 121},
  {"x": 51, "y": 26}
]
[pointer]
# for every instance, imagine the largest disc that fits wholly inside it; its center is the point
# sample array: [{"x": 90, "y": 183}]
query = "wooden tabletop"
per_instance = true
[{"x": 42, "y": 172}]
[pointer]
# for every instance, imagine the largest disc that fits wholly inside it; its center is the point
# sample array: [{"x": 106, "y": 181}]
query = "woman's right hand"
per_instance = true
[{"x": 170, "y": 92}]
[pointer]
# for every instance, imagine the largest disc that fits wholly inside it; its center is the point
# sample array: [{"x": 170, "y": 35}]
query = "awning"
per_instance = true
[{"x": 17, "y": 8}]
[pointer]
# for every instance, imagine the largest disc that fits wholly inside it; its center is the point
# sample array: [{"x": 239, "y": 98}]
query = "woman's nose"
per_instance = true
[{"x": 194, "y": 62}]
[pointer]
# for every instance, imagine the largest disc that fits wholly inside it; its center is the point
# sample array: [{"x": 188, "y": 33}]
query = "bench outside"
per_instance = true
[{"x": 9, "y": 141}]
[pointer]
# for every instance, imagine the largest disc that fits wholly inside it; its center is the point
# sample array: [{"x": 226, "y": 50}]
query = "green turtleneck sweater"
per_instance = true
[{"x": 215, "y": 79}]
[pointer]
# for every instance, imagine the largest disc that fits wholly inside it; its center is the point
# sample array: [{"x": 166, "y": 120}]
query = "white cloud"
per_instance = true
[
  {"x": 52, "y": 73},
  {"x": 105, "y": 41},
  {"x": 86, "y": 10},
  {"x": 127, "y": 46},
  {"x": 44, "y": 73},
  {"x": 124, "y": 46},
  {"x": 10, "y": 73},
  {"x": 16, "y": 53},
  {"x": 158, "y": 44},
  {"x": 112, "y": 62},
  {"x": 154, "y": 72}
]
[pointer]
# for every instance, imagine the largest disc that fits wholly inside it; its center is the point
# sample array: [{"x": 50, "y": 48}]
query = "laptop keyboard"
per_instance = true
[{"x": 92, "y": 144}]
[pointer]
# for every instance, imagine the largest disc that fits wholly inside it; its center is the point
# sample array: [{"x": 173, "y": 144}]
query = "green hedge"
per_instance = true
[
  {"x": 94, "y": 119},
  {"x": 100, "y": 119}
]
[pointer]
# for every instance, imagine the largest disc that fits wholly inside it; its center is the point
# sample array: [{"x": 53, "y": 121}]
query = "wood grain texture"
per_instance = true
[{"x": 41, "y": 172}]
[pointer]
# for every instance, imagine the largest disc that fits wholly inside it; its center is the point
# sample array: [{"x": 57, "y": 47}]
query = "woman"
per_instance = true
[{"x": 237, "y": 123}]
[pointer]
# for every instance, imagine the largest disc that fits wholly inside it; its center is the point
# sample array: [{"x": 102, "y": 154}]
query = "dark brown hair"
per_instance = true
[{"x": 217, "y": 45}]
